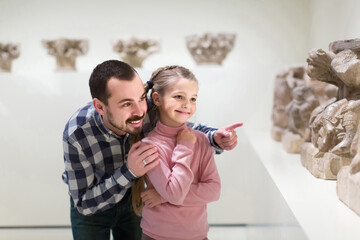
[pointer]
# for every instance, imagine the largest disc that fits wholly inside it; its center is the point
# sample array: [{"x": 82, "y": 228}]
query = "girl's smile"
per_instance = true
[{"x": 178, "y": 103}]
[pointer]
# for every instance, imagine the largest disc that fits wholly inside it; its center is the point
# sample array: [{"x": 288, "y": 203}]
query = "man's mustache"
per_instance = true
[{"x": 136, "y": 118}]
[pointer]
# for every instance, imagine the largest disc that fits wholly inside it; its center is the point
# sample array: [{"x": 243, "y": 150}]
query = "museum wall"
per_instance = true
[
  {"x": 333, "y": 20},
  {"x": 36, "y": 100}
]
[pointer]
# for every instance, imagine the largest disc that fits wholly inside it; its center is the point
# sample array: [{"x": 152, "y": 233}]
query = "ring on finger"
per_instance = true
[{"x": 144, "y": 162}]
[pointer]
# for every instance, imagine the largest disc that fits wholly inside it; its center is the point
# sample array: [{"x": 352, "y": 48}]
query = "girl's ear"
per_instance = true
[
  {"x": 99, "y": 106},
  {"x": 156, "y": 98}
]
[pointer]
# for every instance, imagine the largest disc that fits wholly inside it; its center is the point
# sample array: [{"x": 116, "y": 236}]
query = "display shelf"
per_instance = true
[{"x": 313, "y": 201}]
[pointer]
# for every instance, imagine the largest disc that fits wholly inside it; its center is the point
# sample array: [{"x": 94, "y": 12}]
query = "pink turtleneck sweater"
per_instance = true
[{"x": 187, "y": 179}]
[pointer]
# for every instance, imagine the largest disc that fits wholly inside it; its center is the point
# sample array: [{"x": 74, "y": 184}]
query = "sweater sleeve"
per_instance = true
[
  {"x": 209, "y": 187},
  {"x": 173, "y": 183}
]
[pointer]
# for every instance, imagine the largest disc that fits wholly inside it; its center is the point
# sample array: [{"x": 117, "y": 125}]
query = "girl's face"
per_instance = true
[{"x": 178, "y": 103}]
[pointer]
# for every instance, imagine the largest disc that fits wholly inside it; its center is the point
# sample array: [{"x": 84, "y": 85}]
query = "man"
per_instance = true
[{"x": 101, "y": 164}]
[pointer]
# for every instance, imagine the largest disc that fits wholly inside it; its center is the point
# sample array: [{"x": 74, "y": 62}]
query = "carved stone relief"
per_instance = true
[
  {"x": 322, "y": 90},
  {"x": 282, "y": 97},
  {"x": 8, "y": 52},
  {"x": 348, "y": 182},
  {"x": 135, "y": 50},
  {"x": 294, "y": 100},
  {"x": 66, "y": 51},
  {"x": 334, "y": 125},
  {"x": 210, "y": 48}
]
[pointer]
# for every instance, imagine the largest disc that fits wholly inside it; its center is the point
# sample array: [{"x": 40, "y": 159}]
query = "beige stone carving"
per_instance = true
[
  {"x": 293, "y": 103},
  {"x": 282, "y": 97},
  {"x": 322, "y": 90},
  {"x": 66, "y": 51},
  {"x": 348, "y": 182},
  {"x": 334, "y": 124},
  {"x": 135, "y": 50},
  {"x": 298, "y": 111},
  {"x": 8, "y": 52},
  {"x": 210, "y": 48}
]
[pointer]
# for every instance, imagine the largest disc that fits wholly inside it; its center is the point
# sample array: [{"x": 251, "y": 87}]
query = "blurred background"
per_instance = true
[{"x": 36, "y": 100}]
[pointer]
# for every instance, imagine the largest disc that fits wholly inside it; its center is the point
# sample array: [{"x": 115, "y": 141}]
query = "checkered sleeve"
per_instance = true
[
  {"x": 90, "y": 196},
  {"x": 209, "y": 132}
]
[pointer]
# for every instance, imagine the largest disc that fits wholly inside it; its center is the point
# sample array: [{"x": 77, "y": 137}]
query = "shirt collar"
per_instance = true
[{"x": 100, "y": 123}]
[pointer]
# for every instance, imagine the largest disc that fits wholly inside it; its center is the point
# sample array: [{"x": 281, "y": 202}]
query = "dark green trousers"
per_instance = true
[{"x": 120, "y": 220}]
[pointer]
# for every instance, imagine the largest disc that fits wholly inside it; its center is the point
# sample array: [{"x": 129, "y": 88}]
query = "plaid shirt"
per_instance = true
[{"x": 95, "y": 159}]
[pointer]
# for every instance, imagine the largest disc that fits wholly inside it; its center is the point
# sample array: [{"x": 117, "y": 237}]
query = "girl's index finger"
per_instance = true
[{"x": 233, "y": 126}]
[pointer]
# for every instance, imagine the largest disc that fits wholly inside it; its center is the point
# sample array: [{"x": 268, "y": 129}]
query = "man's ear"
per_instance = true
[
  {"x": 156, "y": 98},
  {"x": 99, "y": 106}
]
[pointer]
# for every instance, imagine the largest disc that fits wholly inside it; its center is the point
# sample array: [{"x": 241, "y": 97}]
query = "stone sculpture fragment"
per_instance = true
[
  {"x": 135, "y": 50},
  {"x": 66, "y": 51},
  {"x": 8, "y": 52},
  {"x": 294, "y": 100},
  {"x": 210, "y": 48},
  {"x": 334, "y": 125}
]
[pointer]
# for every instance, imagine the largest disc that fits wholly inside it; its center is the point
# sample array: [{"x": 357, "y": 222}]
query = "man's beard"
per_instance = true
[{"x": 136, "y": 130}]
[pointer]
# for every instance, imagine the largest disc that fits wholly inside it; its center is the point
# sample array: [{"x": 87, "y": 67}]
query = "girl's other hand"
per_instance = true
[{"x": 151, "y": 197}]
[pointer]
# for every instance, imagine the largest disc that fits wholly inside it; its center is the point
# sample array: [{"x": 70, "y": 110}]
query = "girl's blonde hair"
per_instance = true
[
  {"x": 137, "y": 188},
  {"x": 159, "y": 82},
  {"x": 164, "y": 76}
]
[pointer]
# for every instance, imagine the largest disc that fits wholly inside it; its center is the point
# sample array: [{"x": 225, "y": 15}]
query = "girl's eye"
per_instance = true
[
  {"x": 178, "y": 97},
  {"x": 193, "y": 99}
]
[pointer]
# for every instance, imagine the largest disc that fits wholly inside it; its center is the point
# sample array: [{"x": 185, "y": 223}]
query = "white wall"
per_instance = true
[
  {"x": 333, "y": 20},
  {"x": 270, "y": 35},
  {"x": 35, "y": 101}
]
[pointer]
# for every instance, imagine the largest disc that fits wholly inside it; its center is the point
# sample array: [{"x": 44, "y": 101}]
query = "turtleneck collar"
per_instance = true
[{"x": 168, "y": 131}]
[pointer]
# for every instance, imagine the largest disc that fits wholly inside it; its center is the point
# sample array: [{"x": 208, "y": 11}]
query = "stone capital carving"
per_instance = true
[
  {"x": 8, "y": 52},
  {"x": 334, "y": 125},
  {"x": 135, "y": 50},
  {"x": 66, "y": 51},
  {"x": 210, "y": 48}
]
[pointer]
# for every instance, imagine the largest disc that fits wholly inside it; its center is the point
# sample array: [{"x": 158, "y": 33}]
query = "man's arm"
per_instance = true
[
  {"x": 220, "y": 139},
  {"x": 90, "y": 197},
  {"x": 209, "y": 132}
]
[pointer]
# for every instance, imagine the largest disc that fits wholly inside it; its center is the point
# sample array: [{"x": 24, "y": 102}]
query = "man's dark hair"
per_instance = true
[{"x": 103, "y": 72}]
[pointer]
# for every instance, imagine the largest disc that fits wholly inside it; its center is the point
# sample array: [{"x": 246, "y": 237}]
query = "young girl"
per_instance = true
[{"x": 186, "y": 178}]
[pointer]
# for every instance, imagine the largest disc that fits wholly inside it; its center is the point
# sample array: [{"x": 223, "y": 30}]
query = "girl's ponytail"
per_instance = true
[{"x": 137, "y": 188}]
